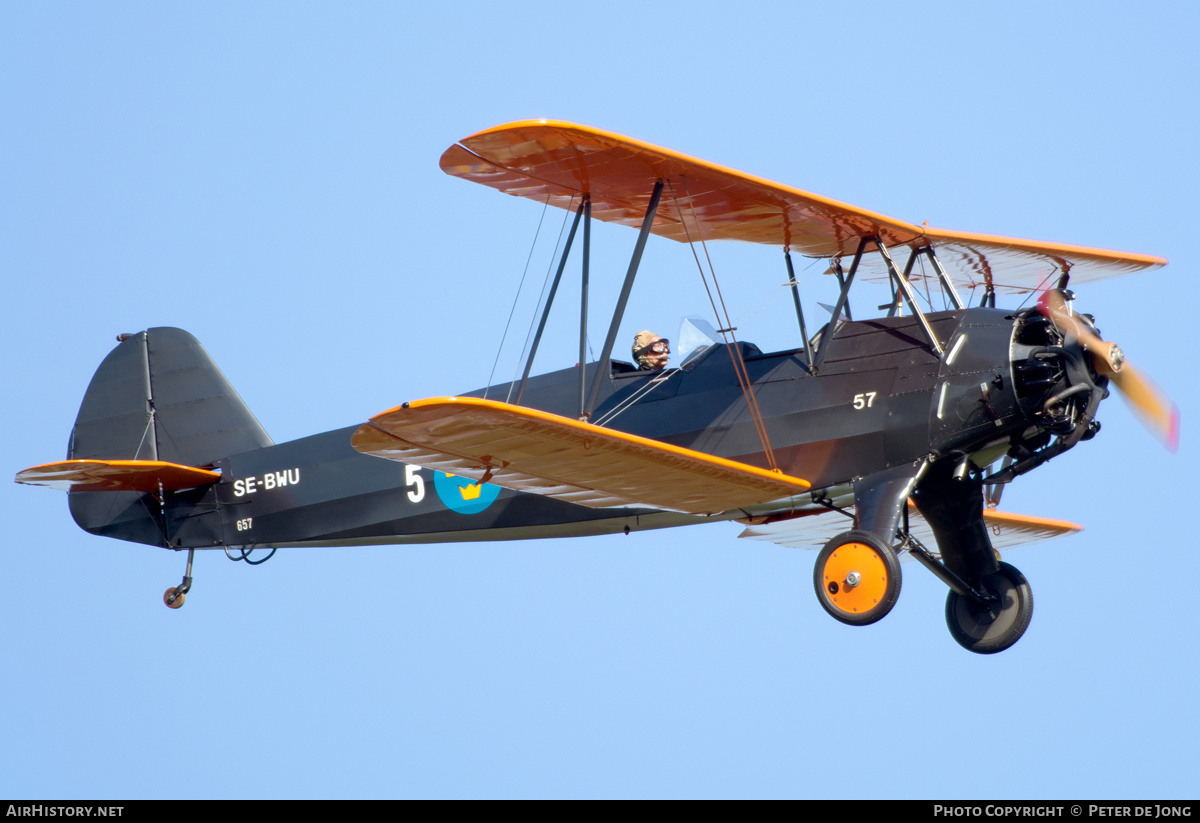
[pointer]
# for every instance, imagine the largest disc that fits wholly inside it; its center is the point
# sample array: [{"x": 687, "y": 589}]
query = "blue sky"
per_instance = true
[{"x": 265, "y": 175}]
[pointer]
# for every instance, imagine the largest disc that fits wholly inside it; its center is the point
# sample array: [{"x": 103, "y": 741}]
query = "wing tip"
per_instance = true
[{"x": 1172, "y": 440}]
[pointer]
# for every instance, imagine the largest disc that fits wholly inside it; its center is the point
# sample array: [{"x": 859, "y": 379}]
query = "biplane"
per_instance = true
[{"x": 876, "y": 438}]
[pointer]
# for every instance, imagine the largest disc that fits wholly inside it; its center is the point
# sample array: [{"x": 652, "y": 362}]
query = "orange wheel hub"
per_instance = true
[{"x": 855, "y": 578}]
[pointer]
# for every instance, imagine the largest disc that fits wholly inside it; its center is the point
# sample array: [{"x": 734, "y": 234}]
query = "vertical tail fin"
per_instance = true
[{"x": 158, "y": 396}]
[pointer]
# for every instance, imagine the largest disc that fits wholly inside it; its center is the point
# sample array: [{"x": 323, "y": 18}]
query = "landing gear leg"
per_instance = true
[
  {"x": 990, "y": 603},
  {"x": 857, "y": 576},
  {"x": 176, "y": 595}
]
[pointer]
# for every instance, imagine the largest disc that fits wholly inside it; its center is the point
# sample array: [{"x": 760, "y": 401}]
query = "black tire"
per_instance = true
[
  {"x": 993, "y": 629},
  {"x": 874, "y": 596}
]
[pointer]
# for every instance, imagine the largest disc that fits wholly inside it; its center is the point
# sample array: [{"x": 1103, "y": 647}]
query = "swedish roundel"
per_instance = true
[{"x": 463, "y": 495}]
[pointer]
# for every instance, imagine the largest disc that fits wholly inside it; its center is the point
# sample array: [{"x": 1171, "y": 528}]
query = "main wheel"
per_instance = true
[
  {"x": 995, "y": 627},
  {"x": 179, "y": 598},
  {"x": 857, "y": 578}
]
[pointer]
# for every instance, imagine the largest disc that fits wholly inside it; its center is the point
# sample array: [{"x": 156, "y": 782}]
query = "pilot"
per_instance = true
[{"x": 650, "y": 351}]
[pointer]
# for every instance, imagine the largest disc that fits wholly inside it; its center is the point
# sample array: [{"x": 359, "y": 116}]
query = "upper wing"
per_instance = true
[
  {"x": 559, "y": 161},
  {"x": 532, "y": 451},
  {"x": 1007, "y": 529}
]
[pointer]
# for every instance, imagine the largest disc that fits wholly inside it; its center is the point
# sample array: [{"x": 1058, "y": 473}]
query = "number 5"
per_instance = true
[{"x": 411, "y": 478}]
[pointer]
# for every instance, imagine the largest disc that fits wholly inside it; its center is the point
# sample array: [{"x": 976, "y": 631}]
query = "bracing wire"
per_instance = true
[
  {"x": 650, "y": 386},
  {"x": 1041, "y": 287},
  {"x": 941, "y": 288},
  {"x": 727, "y": 328},
  {"x": 772, "y": 296},
  {"x": 925, "y": 280},
  {"x": 541, "y": 298},
  {"x": 520, "y": 285}
]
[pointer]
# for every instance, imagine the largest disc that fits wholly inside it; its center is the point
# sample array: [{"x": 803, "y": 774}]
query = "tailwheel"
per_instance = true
[
  {"x": 857, "y": 578},
  {"x": 176, "y": 595},
  {"x": 999, "y": 622}
]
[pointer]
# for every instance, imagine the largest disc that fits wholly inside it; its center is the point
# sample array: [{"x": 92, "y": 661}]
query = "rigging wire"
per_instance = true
[
  {"x": 925, "y": 280},
  {"x": 772, "y": 296},
  {"x": 541, "y": 297},
  {"x": 650, "y": 386},
  {"x": 735, "y": 351},
  {"x": 1041, "y": 287},
  {"x": 941, "y": 288},
  {"x": 520, "y": 285}
]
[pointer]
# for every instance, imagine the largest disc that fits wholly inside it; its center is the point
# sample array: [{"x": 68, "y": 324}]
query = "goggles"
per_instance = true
[{"x": 660, "y": 346}]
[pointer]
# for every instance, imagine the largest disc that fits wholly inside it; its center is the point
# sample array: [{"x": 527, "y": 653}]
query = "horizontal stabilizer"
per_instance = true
[
  {"x": 1005, "y": 529},
  {"x": 532, "y": 451},
  {"x": 149, "y": 476}
]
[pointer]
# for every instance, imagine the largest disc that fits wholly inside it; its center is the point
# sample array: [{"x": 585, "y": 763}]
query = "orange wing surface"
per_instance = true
[
  {"x": 1007, "y": 529},
  {"x": 532, "y": 451},
  {"x": 560, "y": 162},
  {"x": 149, "y": 476}
]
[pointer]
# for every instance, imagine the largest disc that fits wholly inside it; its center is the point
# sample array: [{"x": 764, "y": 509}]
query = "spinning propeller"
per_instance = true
[{"x": 1157, "y": 412}]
